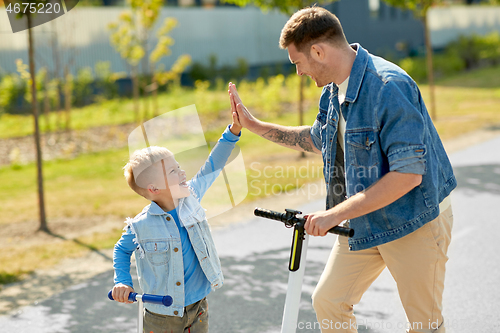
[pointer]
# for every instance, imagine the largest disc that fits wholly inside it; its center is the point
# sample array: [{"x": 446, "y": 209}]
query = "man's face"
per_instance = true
[{"x": 306, "y": 65}]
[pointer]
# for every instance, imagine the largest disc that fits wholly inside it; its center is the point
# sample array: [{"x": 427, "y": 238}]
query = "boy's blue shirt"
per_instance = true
[
  {"x": 196, "y": 285},
  {"x": 156, "y": 238}
]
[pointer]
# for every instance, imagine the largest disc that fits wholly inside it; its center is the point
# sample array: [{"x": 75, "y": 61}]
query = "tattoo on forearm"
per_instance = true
[{"x": 290, "y": 138}]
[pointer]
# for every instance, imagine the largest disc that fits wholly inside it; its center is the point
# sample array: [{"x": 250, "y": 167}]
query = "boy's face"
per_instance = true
[
  {"x": 176, "y": 178},
  {"x": 168, "y": 173}
]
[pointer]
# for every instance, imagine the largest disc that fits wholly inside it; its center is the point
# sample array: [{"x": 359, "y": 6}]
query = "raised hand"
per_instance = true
[
  {"x": 246, "y": 119},
  {"x": 235, "y": 125}
]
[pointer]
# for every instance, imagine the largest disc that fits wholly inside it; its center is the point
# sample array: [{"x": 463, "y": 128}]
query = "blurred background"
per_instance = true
[{"x": 106, "y": 66}]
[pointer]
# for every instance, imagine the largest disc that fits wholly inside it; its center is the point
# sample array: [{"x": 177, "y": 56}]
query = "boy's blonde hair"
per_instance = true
[{"x": 139, "y": 168}]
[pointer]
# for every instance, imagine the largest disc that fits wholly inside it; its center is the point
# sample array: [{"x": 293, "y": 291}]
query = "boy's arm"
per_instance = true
[
  {"x": 121, "y": 263},
  {"x": 215, "y": 162}
]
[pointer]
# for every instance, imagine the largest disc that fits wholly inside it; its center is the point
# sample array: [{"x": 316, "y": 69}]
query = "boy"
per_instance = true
[{"x": 173, "y": 247}]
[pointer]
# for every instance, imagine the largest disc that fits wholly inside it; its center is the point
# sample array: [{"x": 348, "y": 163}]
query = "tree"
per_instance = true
[
  {"x": 24, "y": 11},
  {"x": 62, "y": 82},
  {"x": 420, "y": 9},
  {"x": 287, "y": 7},
  {"x": 130, "y": 37},
  {"x": 162, "y": 49},
  {"x": 127, "y": 42}
]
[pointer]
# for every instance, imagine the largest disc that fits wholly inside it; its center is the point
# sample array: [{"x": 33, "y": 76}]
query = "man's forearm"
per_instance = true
[
  {"x": 388, "y": 189},
  {"x": 294, "y": 137}
]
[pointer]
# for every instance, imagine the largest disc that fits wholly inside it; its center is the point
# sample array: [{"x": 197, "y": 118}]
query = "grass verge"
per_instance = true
[
  {"x": 20, "y": 261},
  {"x": 93, "y": 184}
]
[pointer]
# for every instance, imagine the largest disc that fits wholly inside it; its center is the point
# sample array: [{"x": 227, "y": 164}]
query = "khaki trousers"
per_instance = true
[
  {"x": 417, "y": 263},
  {"x": 195, "y": 320}
]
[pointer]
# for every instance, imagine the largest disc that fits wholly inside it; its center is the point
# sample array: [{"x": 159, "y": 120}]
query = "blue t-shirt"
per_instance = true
[{"x": 196, "y": 284}]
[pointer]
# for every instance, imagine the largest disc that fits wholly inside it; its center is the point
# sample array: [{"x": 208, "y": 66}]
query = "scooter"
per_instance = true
[
  {"x": 299, "y": 247},
  {"x": 145, "y": 298}
]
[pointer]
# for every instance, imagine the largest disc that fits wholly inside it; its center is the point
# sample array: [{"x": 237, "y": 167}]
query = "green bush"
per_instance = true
[
  {"x": 87, "y": 88},
  {"x": 212, "y": 72},
  {"x": 448, "y": 64},
  {"x": 477, "y": 51},
  {"x": 82, "y": 87},
  {"x": 415, "y": 67},
  {"x": 467, "y": 52},
  {"x": 444, "y": 65},
  {"x": 105, "y": 80},
  {"x": 490, "y": 50},
  {"x": 11, "y": 88}
]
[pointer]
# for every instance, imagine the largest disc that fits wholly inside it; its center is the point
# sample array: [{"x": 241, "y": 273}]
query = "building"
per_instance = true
[{"x": 80, "y": 38}]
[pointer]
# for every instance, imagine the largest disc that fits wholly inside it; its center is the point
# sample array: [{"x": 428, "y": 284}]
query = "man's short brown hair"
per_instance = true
[{"x": 311, "y": 25}]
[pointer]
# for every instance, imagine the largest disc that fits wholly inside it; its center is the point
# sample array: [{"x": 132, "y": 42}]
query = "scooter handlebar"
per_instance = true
[
  {"x": 290, "y": 219},
  {"x": 147, "y": 298}
]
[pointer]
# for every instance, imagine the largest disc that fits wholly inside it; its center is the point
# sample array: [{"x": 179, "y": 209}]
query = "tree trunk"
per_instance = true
[
  {"x": 430, "y": 68},
  {"x": 146, "y": 75},
  {"x": 135, "y": 93},
  {"x": 46, "y": 103},
  {"x": 154, "y": 92},
  {"x": 155, "y": 97},
  {"x": 59, "y": 121},
  {"x": 67, "y": 97},
  {"x": 57, "y": 74},
  {"x": 146, "y": 99},
  {"x": 34, "y": 102}
]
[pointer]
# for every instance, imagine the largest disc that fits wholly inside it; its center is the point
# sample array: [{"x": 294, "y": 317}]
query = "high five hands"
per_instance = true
[
  {"x": 235, "y": 125},
  {"x": 245, "y": 118}
]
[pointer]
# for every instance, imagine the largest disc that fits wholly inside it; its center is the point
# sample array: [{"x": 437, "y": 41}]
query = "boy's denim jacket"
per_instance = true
[
  {"x": 388, "y": 129},
  {"x": 158, "y": 255}
]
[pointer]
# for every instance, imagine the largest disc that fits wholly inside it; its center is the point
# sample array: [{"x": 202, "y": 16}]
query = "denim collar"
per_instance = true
[
  {"x": 154, "y": 209},
  {"x": 357, "y": 73}
]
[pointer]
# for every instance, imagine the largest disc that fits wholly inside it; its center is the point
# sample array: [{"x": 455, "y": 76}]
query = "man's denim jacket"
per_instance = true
[
  {"x": 160, "y": 268},
  {"x": 388, "y": 129}
]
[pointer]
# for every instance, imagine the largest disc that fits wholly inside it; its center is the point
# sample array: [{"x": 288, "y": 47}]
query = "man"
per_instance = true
[{"x": 386, "y": 172}]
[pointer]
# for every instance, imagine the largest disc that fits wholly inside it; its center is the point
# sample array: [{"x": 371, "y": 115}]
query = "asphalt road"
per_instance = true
[{"x": 254, "y": 257}]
